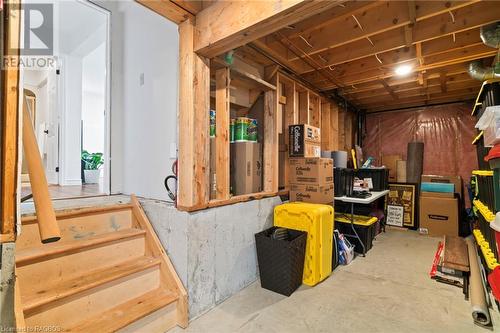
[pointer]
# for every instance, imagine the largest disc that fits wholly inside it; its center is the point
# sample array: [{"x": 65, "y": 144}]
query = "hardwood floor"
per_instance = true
[{"x": 66, "y": 192}]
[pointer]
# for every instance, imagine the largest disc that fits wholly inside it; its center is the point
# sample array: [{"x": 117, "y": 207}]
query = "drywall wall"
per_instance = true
[
  {"x": 213, "y": 252},
  {"x": 93, "y": 99},
  {"x": 144, "y": 79}
]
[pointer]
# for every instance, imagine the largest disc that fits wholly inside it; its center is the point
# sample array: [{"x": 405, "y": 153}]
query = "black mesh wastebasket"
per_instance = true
[{"x": 281, "y": 262}]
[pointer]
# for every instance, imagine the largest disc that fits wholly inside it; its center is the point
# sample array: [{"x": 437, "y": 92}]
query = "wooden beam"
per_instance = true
[
  {"x": 194, "y": 106},
  {"x": 389, "y": 89},
  {"x": 9, "y": 120},
  {"x": 226, "y": 25},
  {"x": 222, "y": 115},
  {"x": 168, "y": 9}
]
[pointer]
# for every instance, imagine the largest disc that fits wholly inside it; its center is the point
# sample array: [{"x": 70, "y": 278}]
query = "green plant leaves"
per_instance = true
[{"x": 92, "y": 161}]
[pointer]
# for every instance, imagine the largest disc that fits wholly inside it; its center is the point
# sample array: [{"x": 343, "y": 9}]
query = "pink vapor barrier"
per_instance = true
[{"x": 446, "y": 130}]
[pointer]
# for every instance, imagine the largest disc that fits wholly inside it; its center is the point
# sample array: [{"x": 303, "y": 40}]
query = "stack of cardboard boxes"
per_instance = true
[
  {"x": 310, "y": 176},
  {"x": 439, "y": 211}
]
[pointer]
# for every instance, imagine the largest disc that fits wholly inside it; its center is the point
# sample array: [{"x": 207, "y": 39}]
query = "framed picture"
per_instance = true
[{"x": 404, "y": 196}]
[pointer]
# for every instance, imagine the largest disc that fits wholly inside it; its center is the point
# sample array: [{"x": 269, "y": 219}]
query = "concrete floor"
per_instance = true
[{"x": 388, "y": 291}]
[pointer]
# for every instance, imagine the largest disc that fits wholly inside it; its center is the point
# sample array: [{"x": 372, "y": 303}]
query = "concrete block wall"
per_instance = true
[{"x": 213, "y": 250}]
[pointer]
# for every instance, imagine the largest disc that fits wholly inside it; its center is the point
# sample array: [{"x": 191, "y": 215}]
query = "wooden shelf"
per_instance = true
[{"x": 253, "y": 79}]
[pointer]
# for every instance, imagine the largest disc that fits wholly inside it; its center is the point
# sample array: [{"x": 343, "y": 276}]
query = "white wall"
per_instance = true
[
  {"x": 93, "y": 99},
  {"x": 71, "y": 120},
  {"x": 143, "y": 116}
]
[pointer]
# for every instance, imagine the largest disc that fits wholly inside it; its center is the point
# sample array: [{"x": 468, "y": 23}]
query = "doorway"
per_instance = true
[{"x": 69, "y": 103}]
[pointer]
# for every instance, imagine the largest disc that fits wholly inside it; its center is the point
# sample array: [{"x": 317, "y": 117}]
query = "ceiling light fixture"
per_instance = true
[{"x": 403, "y": 70}]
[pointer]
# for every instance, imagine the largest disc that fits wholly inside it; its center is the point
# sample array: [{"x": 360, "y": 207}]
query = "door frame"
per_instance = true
[{"x": 61, "y": 100}]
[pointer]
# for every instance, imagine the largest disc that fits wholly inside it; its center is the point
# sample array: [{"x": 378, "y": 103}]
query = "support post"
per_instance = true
[
  {"x": 194, "y": 109},
  {"x": 222, "y": 115}
]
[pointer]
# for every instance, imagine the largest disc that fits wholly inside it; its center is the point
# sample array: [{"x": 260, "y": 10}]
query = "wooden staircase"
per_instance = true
[{"x": 108, "y": 273}]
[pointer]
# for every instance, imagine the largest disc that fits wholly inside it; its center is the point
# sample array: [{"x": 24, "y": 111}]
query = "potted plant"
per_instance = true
[{"x": 91, "y": 164}]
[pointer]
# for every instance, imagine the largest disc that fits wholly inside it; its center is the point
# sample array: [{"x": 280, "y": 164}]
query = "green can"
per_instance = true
[
  {"x": 231, "y": 130},
  {"x": 241, "y": 125},
  {"x": 252, "y": 130},
  {"x": 212, "y": 123}
]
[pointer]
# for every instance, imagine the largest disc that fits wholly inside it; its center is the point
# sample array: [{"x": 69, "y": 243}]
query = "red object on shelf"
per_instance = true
[
  {"x": 494, "y": 281},
  {"x": 494, "y": 153}
]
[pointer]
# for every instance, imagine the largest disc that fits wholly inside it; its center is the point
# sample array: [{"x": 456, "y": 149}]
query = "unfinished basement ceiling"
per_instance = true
[{"x": 354, "y": 49}]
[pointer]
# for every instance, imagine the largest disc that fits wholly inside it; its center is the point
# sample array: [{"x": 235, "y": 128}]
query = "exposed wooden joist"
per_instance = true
[
  {"x": 168, "y": 9},
  {"x": 388, "y": 15},
  {"x": 226, "y": 25},
  {"x": 466, "y": 18},
  {"x": 432, "y": 62},
  {"x": 420, "y": 102},
  {"x": 10, "y": 127},
  {"x": 389, "y": 89},
  {"x": 194, "y": 103}
]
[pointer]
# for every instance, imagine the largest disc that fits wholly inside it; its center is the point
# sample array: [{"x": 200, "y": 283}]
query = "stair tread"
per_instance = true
[
  {"x": 45, "y": 250},
  {"x": 85, "y": 282},
  {"x": 126, "y": 313}
]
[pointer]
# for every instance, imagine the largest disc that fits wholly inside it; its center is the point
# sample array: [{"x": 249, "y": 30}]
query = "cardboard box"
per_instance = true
[
  {"x": 457, "y": 180},
  {"x": 391, "y": 162},
  {"x": 314, "y": 171},
  {"x": 320, "y": 194},
  {"x": 304, "y": 141},
  {"x": 246, "y": 168},
  {"x": 438, "y": 215}
]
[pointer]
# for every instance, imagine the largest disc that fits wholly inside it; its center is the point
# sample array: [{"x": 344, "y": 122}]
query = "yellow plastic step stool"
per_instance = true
[{"x": 317, "y": 221}]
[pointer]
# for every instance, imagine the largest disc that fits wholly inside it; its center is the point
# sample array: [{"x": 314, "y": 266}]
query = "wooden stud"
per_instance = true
[
  {"x": 326, "y": 130},
  {"x": 10, "y": 127},
  {"x": 222, "y": 115},
  {"x": 270, "y": 156},
  {"x": 314, "y": 110},
  {"x": 303, "y": 107},
  {"x": 334, "y": 126},
  {"x": 194, "y": 106}
]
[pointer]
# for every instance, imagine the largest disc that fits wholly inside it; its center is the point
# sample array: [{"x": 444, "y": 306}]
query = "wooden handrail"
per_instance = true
[{"x": 47, "y": 224}]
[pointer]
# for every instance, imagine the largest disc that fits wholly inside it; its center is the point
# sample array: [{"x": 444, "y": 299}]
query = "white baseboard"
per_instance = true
[{"x": 71, "y": 182}]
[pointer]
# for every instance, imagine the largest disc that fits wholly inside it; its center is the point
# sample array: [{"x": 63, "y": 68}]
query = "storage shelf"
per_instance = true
[
  {"x": 477, "y": 103},
  {"x": 483, "y": 209},
  {"x": 479, "y": 136},
  {"x": 488, "y": 255}
]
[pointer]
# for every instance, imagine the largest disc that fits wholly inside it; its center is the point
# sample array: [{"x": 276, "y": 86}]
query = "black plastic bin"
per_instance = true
[
  {"x": 366, "y": 233},
  {"x": 343, "y": 179},
  {"x": 380, "y": 177},
  {"x": 281, "y": 262}
]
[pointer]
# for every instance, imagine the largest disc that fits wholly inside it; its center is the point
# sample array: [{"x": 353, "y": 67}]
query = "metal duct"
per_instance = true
[
  {"x": 490, "y": 35},
  {"x": 481, "y": 73}
]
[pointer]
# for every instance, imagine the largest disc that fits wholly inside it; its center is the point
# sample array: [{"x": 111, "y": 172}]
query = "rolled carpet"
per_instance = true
[{"x": 480, "y": 312}]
